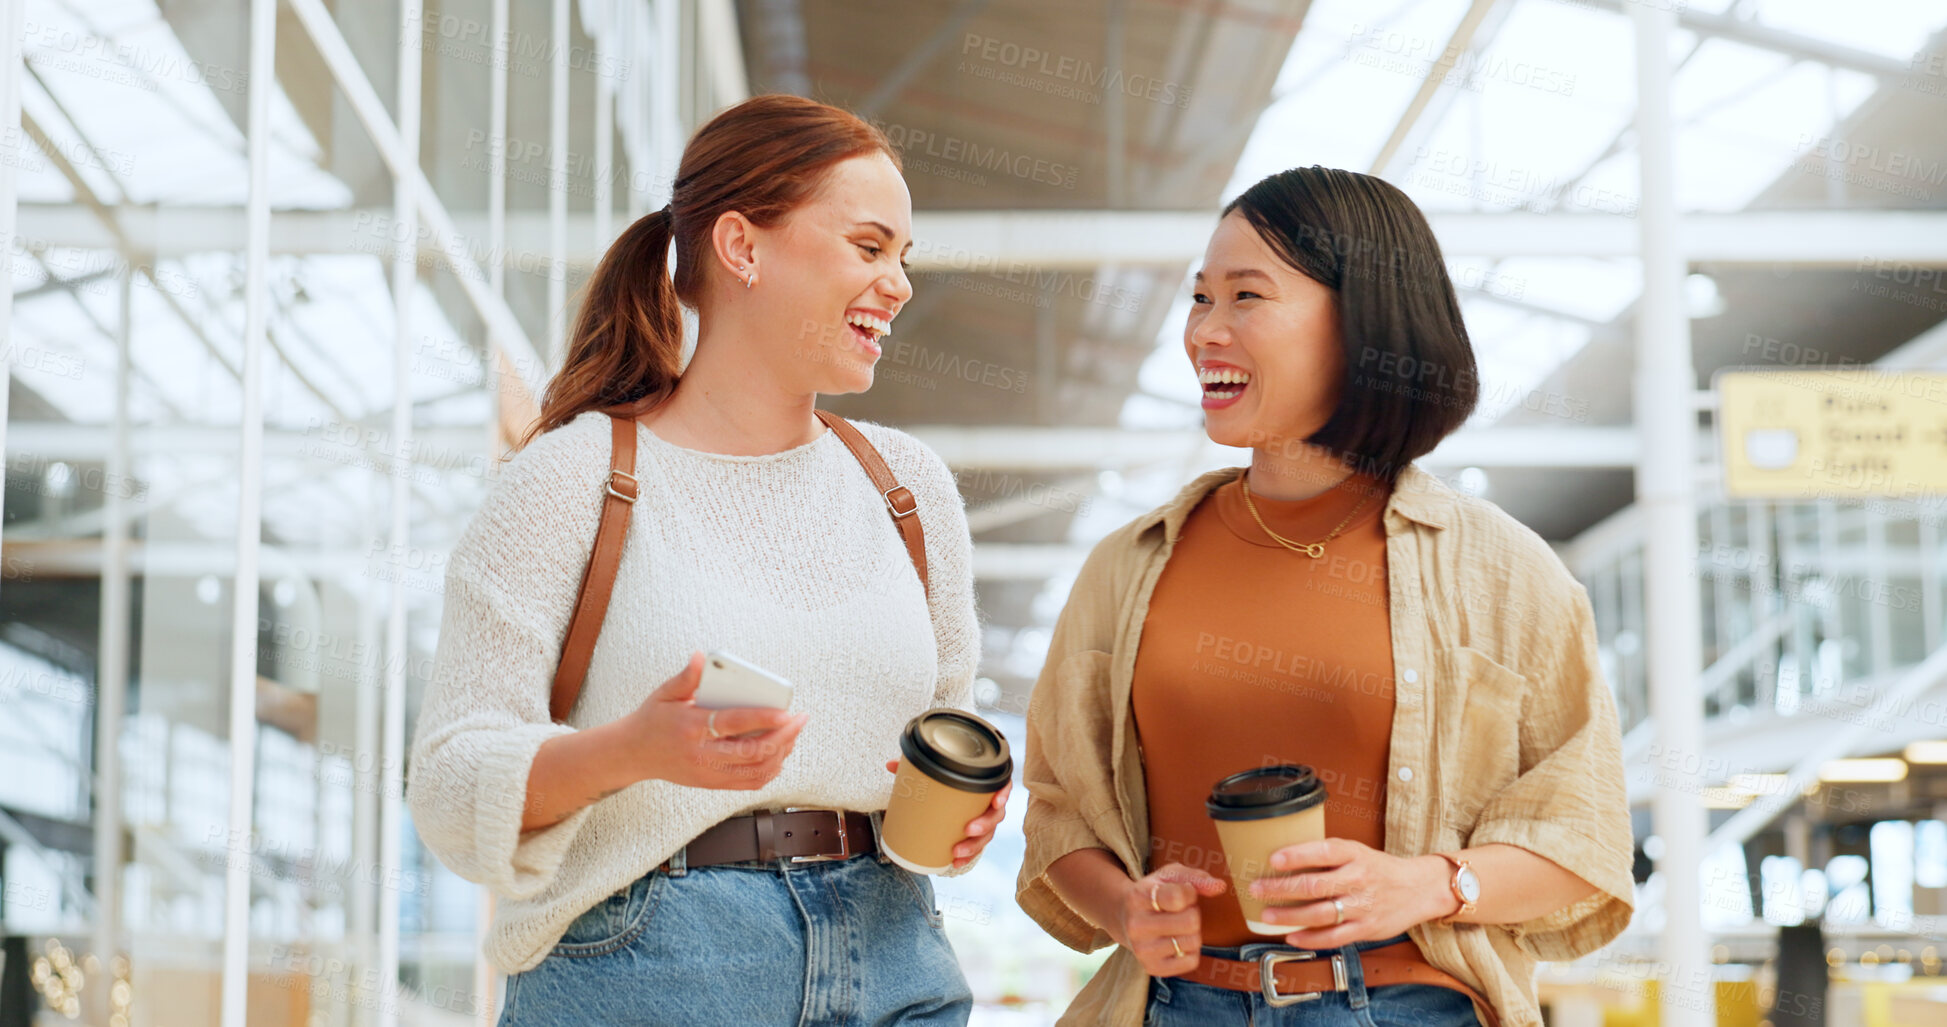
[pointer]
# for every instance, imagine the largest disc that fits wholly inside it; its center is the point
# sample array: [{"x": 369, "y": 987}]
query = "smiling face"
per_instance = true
[
  {"x": 1264, "y": 341},
  {"x": 833, "y": 271}
]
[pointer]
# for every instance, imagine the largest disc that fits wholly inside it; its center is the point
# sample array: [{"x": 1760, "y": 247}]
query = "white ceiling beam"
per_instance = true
[
  {"x": 1053, "y": 449},
  {"x": 83, "y": 443},
  {"x": 1016, "y": 241},
  {"x": 963, "y": 447},
  {"x": 1001, "y": 447},
  {"x": 1752, "y": 32},
  {"x": 82, "y": 558},
  {"x": 1086, "y": 239},
  {"x": 1536, "y": 446},
  {"x": 1004, "y": 240}
]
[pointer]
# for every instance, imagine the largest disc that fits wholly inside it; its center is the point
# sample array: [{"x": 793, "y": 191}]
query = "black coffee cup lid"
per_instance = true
[
  {"x": 958, "y": 749},
  {"x": 1264, "y": 792}
]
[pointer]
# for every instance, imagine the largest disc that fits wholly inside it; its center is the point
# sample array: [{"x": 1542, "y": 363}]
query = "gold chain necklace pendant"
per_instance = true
[{"x": 1311, "y": 549}]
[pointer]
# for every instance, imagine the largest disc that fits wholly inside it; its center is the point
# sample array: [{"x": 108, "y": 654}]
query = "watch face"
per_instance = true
[{"x": 1470, "y": 886}]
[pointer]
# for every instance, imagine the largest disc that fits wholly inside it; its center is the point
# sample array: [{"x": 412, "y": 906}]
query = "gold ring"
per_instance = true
[
  {"x": 712, "y": 725},
  {"x": 1178, "y": 948},
  {"x": 1152, "y": 896},
  {"x": 1340, "y": 908}
]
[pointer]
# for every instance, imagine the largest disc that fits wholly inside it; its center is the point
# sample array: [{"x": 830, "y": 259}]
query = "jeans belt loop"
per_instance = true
[
  {"x": 879, "y": 836},
  {"x": 1355, "y": 989},
  {"x": 679, "y": 862}
]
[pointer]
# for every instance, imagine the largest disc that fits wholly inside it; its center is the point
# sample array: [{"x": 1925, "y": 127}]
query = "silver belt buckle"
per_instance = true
[
  {"x": 844, "y": 840},
  {"x": 1267, "y": 980}
]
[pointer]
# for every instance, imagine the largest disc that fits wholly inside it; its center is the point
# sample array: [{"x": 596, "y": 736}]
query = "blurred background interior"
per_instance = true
[{"x": 442, "y": 178}]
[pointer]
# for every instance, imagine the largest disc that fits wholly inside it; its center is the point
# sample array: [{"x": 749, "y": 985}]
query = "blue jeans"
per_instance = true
[
  {"x": 1175, "y": 1002},
  {"x": 857, "y": 942}
]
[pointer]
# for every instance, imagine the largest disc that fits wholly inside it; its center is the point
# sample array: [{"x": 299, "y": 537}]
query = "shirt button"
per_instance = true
[
  {"x": 1409, "y": 675},
  {"x": 1406, "y": 773}
]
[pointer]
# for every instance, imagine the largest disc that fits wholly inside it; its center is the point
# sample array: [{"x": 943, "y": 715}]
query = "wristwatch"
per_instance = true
[{"x": 1466, "y": 888}]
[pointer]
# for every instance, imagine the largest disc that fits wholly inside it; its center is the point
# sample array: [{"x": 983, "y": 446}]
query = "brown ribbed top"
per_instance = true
[{"x": 1251, "y": 655}]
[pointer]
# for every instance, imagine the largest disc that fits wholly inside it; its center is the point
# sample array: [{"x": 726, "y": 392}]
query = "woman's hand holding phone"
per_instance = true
[{"x": 674, "y": 742}]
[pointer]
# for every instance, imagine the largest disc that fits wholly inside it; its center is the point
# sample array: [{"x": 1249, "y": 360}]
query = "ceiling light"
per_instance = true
[
  {"x": 1700, "y": 296},
  {"x": 1927, "y": 752},
  {"x": 1879, "y": 769}
]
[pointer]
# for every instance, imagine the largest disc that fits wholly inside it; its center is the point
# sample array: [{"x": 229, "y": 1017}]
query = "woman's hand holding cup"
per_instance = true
[
  {"x": 980, "y": 830},
  {"x": 1160, "y": 922},
  {"x": 1336, "y": 891}
]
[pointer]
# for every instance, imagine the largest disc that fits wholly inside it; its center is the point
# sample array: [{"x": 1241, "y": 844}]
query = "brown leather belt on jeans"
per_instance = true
[
  {"x": 800, "y": 835},
  {"x": 1285, "y": 978}
]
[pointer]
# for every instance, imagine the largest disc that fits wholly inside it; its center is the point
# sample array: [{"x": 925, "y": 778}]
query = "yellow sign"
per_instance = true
[{"x": 1832, "y": 434}]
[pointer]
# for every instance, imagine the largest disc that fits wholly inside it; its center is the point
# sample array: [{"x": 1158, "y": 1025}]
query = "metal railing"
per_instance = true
[{"x": 1799, "y": 599}]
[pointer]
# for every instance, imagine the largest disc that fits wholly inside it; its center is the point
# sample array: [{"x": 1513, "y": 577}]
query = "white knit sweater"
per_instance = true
[{"x": 788, "y": 560}]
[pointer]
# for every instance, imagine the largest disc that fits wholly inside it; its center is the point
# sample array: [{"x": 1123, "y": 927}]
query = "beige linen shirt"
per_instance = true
[{"x": 1503, "y": 732}]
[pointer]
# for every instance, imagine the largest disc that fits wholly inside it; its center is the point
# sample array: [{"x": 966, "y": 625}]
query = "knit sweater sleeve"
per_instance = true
[{"x": 510, "y": 587}]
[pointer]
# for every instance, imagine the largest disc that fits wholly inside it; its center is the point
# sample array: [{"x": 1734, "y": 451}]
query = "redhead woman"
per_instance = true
[
  {"x": 1333, "y": 607},
  {"x": 658, "y": 863}
]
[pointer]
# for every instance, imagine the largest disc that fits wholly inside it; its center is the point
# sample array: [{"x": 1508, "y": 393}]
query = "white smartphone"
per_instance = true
[{"x": 730, "y": 682}]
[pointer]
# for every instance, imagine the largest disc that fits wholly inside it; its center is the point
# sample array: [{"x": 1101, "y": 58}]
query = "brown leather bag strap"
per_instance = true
[
  {"x": 900, "y": 501},
  {"x": 598, "y": 581}
]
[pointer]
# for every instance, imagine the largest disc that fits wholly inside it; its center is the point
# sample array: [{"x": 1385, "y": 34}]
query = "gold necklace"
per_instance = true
[{"x": 1311, "y": 549}]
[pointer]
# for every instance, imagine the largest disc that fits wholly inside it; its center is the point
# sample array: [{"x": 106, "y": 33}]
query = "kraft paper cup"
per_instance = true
[
  {"x": 1257, "y": 813},
  {"x": 951, "y": 765}
]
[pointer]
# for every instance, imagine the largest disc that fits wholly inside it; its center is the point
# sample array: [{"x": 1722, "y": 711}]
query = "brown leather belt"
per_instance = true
[
  {"x": 800, "y": 835},
  {"x": 1288, "y": 977}
]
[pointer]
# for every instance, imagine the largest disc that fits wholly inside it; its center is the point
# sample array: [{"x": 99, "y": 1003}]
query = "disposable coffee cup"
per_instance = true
[
  {"x": 952, "y": 764},
  {"x": 1257, "y": 813}
]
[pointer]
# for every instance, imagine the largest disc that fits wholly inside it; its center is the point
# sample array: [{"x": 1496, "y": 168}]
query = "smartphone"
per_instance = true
[{"x": 730, "y": 682}]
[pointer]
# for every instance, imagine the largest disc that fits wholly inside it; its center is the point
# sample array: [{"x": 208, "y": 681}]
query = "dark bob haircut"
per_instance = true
[{"x": 1410, "y": 377}]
